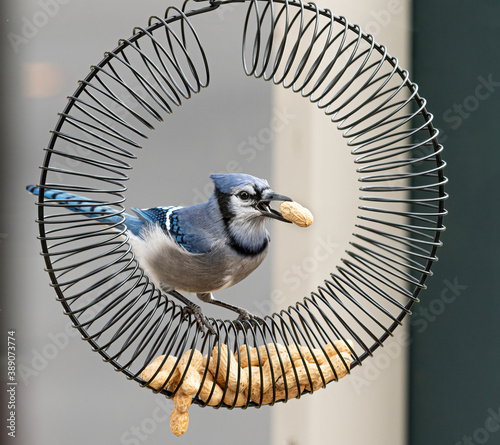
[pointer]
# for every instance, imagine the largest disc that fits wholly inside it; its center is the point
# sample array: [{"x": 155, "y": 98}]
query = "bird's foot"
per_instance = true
[
  {"x": 245, "y": 315},
  {"x": 192, "y": 309},
  {"x": 247, "y": 319},
  {"x": 201, "y": 320}
]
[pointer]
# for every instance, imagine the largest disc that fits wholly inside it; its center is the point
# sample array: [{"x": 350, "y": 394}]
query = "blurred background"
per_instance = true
[{"x": 436, "y": 382}]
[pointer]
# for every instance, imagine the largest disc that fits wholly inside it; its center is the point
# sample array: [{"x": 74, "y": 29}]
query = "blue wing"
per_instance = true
[{"x": 167, "y": 218}]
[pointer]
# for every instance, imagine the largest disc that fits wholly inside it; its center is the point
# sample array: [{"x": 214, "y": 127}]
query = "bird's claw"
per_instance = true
[
  {"x": 247, "y": 319},
  {"x": 245, "y": 315},
  {"x": 201, "y": 320}
]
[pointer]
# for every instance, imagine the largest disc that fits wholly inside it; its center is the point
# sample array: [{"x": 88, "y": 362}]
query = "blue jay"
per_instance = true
[{"x": 202, "y": 248}]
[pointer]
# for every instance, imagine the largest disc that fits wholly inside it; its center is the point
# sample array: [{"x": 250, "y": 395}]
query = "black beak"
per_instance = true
[{"x": 264, "y": 206}]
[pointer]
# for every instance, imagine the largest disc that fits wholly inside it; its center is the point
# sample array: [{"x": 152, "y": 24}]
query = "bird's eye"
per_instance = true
[{"x": 244, "y": 195}]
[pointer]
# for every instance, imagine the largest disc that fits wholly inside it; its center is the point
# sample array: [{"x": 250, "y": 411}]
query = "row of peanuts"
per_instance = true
[{"x": 263, "y": 375}]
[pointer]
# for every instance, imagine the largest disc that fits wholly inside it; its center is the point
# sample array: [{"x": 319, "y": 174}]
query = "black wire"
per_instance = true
[{"x": 330, "y": 62}]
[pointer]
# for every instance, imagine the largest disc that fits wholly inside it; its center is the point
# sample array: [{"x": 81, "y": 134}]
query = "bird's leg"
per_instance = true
[
  {"x": 194, "y": 309},
  {"x": 244, "y": 315}
]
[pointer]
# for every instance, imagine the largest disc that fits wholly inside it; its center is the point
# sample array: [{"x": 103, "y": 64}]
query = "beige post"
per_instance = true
[{"x": 314, "y": 166}]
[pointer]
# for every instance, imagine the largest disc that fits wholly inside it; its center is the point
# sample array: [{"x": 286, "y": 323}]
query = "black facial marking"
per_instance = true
[
  {"x": 223, "y": 200},
  {"x": 255, "y": 196}
]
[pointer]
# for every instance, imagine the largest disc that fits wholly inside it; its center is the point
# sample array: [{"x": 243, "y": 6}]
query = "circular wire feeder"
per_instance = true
[{"x": 146, "y": 335}]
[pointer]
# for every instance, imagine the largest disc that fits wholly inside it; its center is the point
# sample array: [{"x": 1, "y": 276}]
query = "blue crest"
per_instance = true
[{"x": 226, "y": 182}]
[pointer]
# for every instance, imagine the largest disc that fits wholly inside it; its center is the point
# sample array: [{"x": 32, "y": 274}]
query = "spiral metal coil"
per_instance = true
[{"x": 323, "y": 57}]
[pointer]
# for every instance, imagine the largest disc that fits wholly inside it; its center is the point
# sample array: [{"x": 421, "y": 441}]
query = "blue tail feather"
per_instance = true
[{"x": 91, "y": 209}]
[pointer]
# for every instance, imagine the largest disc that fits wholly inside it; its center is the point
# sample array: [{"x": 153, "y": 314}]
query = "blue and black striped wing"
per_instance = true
[{"x": 167, "y": 219}]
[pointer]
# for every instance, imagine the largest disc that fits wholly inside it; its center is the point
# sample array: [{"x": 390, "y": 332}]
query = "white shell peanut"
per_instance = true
[
  {"x": 192, "y": 380},
  {"x": 294, "y": 212},
  {"x": 339, "y": 370},
  {"x": 182, "y": 401},
  {"x": 227, "y": 363},
  {"x": 273, "y": 362},
  {"x": 264, "y": 374},
  {"x": 238, "y": 399},
  {"x": 206, "y": 389},
  {"x": 160, "y": 380},
  {"x": 254, "y": 357},
  {"x": 179, "y": 422}
]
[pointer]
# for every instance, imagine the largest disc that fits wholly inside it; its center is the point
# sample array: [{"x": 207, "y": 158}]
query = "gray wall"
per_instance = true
[{"x": 66, "y": 394}]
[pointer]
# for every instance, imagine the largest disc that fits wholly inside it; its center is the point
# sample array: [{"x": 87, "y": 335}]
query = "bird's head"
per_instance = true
[{"x": 245, "y": 197}]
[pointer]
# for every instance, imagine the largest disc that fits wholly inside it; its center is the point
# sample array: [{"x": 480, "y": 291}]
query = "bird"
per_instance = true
[{"x": 202, "y": 248}]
